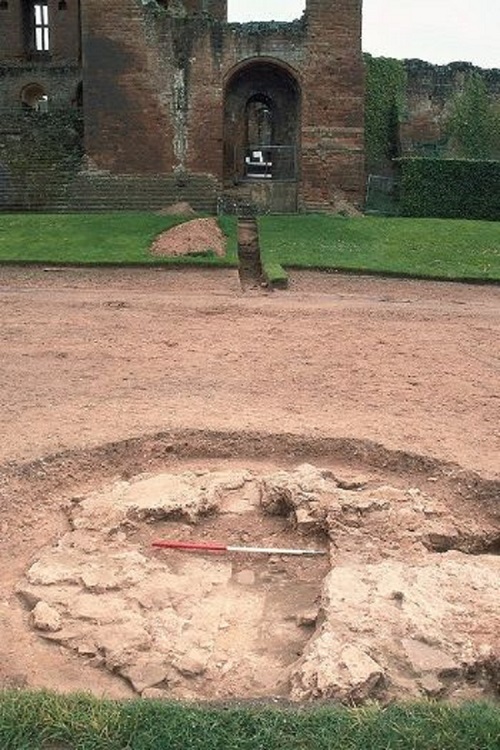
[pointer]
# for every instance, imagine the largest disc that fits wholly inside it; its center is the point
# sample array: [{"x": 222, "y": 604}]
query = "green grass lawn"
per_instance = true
[
  {"x": 32, "y": 721},
  {"x": 114, "y": 238},
  {"x": 428, "y": 248},
  {"x": 433, "y": 248}
]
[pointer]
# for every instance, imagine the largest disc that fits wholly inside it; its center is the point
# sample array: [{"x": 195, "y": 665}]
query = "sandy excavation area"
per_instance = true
[{"x": 354, "y": 416}]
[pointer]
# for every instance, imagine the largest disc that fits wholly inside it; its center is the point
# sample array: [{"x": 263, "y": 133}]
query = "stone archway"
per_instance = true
[
  {"x": 262, "y": 107},
  {"x": 34, "y": 96}
]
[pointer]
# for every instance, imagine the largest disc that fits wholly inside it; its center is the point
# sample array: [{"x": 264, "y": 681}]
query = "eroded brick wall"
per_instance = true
[
  {"x": 155, "y": 85},
  {"x": 333, "y": 104},
  {"x": 155, "y": 77},
  {"x": 215, "y": 8},
  {"x": 17, "y": 35},
  {"x": 163, "y": 77},
  {"x": 127, "y": 97},
  {"x": 39, "y": 151},
  {"x": 58, "y": 71},
  {"x": 12, "y": 45},
  {"x": 430, "y": 92}
]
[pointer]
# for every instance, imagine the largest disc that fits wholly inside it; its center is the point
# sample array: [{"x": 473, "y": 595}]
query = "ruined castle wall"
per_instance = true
[
  {"x": 65, "y": 30},
  {"x": 127, "y": 101},
  {"x": 333, "y": 103},
  {"x": 430, "y": 92},
  {"x": 60, "y": 82},
  {"x": 17, "y": 36},
  {"x": 155, "y": 77},
  {"x": 12, "y": 44},
  {"x": 215, "y": 8},
  {"x": 167, "y": 75},
  {"x": 39, "y": 150},
  {"x": 57, "y": 71}
]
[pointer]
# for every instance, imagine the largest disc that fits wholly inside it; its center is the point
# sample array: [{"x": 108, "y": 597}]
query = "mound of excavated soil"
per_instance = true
[
  {"x": 191, "y": 238},
  {"x": 405, "y": 604}
]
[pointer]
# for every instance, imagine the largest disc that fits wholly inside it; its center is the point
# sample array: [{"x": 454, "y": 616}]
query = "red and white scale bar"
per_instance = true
[{"x": 211, "y": 547}]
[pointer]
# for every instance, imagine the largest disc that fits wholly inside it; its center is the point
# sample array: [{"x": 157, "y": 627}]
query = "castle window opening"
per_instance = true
[{"x": 41, "y": 26}]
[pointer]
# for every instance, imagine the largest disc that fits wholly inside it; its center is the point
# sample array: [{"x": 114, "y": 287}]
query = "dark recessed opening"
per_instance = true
[{"x": 261, "y": 130}]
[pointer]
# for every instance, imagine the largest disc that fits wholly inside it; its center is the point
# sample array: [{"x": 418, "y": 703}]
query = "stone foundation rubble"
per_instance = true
[{"x": 408, "y": 604}]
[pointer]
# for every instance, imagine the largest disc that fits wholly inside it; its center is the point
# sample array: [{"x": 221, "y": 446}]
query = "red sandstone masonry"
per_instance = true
[
  {"x": 333, "y": 103},
  {"x": 155, "y": 106},
  {"x": 127, "y": 127},
  {"x": 154, "y": 86},
  {"x": 11, "y": 33},
  {"x": 64, "y": 32},
  {"x": 143, "y": 127}
]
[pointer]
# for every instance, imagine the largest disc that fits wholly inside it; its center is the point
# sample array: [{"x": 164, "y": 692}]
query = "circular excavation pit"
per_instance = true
[{"x": 404, "y": 602}]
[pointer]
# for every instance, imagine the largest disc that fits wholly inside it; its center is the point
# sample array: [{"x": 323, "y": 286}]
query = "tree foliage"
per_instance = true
[{"x": 474, "y": 122}]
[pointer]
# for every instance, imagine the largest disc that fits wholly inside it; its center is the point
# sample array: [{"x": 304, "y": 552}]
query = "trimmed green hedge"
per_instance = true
[{"x": 450, "y": 188}]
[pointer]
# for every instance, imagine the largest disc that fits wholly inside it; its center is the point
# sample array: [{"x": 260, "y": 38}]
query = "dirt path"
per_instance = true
[{"x": 90, "y": 356}]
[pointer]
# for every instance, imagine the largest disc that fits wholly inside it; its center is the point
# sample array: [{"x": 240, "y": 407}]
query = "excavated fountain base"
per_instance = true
[{"x": 404, "y": 604}]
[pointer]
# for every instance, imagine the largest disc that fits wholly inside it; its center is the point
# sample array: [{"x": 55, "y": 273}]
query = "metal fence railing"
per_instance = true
[{"x": 268, "y": 162}]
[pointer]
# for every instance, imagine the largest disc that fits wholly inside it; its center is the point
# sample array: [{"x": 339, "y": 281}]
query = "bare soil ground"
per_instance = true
[{"x": 107, "y": 374}]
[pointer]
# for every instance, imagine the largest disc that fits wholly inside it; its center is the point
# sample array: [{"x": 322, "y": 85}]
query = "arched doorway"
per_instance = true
[
  {"x": 33, "y": 96},
  {"x": 261, "y": 130}
]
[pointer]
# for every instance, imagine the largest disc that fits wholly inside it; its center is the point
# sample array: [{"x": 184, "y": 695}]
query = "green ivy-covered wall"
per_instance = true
[
  {"x": 417, "y": 109},
  {"x": 384, "y": 111}
]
